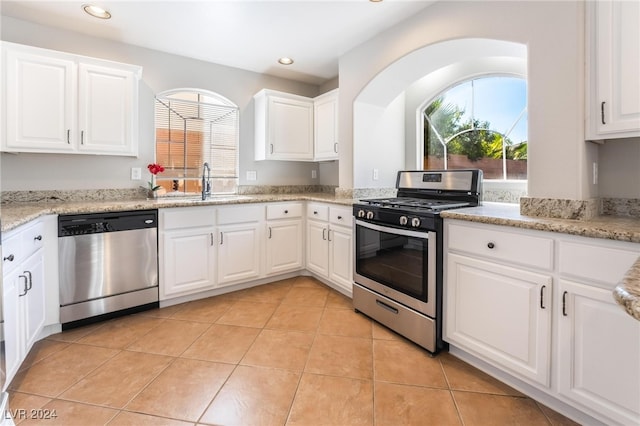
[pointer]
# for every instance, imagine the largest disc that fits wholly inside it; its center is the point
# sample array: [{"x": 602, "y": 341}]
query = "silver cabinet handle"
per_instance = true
[
  {"x": 30, "y": 280},
  {"x": 315, "y": 212},
  {"x": 9, "y": 258},
  {"x": 491, "y": 245},
  {"x": 269, "y": 232},
  {"x": 68, "y": 136},
  {"x": 221, "y": 238},
  {"x": 211, "y": 239},
  {"x": 542, "y": 297},
  {"x": 324, "y": 230},
  {"x": 602, "y": 112},
  {"x": 37, "y": 238},
  {"x": 564, "y": 304},
  {"x": 335, "y": 147},
  {"x": 82, "y": 137},
  {"x": 329, "y": 235},
  {"x": 26, "y": 283},
  {"x": 270, "y": 148}
]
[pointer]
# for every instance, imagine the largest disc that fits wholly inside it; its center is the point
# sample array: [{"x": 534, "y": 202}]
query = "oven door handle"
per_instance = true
[{"x": 396, "y": 231}]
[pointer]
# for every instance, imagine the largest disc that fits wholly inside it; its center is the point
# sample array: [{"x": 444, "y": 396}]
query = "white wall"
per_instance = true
[
  {"x": 554, "y": 35},
  {"x": 160, "y": 72},
  {"x": 619, "y": 169}
]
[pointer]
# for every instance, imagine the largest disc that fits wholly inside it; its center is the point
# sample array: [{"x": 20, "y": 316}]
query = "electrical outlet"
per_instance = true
[
  {"x": 314, "y": 174},
  {"x": 376, "y": 174},
  {"x": 595, "y": 173},
  {"x": 252, "y": 175},
  {"x": 136, "y": 173}
]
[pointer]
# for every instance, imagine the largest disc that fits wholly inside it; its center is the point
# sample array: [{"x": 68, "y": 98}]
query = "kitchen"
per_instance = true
[{"x": 560, "y": 165}]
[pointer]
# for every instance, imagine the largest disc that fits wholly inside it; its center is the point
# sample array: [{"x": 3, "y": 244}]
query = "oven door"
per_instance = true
[{"x": 397, "y": 263}]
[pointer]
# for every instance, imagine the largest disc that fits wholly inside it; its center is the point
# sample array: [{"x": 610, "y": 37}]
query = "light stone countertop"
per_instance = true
[
  {"x": 626, "y": 293},
  {"x": 16, "y": 214}
]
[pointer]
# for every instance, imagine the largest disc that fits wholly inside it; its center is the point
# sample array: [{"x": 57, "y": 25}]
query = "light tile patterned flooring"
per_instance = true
[{"x": 292, "y": 352}]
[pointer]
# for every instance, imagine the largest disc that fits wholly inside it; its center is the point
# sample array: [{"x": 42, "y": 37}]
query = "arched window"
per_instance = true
[
  {"x": 194, "y": 127},
  {"x": 480, "y": 123}
]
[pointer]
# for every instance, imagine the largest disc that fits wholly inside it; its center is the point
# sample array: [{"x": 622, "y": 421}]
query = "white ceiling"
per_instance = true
[{"x": 245, "y": 34}]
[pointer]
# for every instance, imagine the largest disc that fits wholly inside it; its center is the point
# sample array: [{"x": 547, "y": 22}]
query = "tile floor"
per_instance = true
[{"x": 291, "y": 352}]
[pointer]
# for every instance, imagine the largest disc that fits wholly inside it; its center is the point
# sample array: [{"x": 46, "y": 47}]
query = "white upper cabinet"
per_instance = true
[
  {"x": 613, "y": 95},
  {"x": 283, "y": 126},
  {"x": 325, "y": 115},
  {"x": 296, "y": 128},
  {"x": 61, "y": 103}
]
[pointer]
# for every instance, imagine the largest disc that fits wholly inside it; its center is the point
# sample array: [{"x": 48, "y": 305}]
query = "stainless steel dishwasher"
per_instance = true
[{"x": 108, "y": 265}]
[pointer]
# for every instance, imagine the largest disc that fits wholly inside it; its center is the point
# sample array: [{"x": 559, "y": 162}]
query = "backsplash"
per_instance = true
[
  {"x": 559, "y": 208},
  {"x": 621, "y": 207},
  {"x": 141, "y": 193}
]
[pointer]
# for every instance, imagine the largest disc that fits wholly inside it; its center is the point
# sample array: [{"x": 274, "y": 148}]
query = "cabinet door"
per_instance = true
[
  {"x": 107, "y": 110},
  {"x": 187, "y": 262},
  {"x": 284, "y": 246},
  {"x": 41, "y": 103},
  {"x": 318, "y": 247},
  {"x": 501, "y": 314},
  {"x": 325, "y": 117},
  {"x": 290, "y": 129},
  {"x": 341, "y": 257},
  {"x": 238, "y": 253},
  {"x": 617, "y": 67},
  {"x": 12, "y": 285},
  {"x": 33, "y": 300},
  {"x": 599, "y": 353}
]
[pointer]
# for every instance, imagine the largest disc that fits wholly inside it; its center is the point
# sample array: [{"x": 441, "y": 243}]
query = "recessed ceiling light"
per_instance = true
[
  {"x": 96, "y": 11},
  {"x": 285, "y": 61}
]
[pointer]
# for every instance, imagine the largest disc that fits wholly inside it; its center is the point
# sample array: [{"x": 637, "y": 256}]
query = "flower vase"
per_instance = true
[{"x": 151, "y": 194}]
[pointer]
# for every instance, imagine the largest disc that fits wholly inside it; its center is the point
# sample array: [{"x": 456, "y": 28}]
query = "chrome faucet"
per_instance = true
[{"x": 206, "y": 181}]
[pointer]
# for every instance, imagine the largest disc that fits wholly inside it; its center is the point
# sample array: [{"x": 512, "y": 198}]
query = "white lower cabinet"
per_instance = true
[
  {"x": 500, "y": 313},
  {"x": 239, "y": 243},
  {"x": 23, "y": 295},
  {"x": 284, "y": 242},
  {"x": 554, "y": 326},
  {"x": 187, "y": 251},
  {"x": 598, "y": 353},
  {"x": 329, "y": 244}
]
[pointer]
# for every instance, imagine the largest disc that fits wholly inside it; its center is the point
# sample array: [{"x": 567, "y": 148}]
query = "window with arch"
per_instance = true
[
  {"x": 479, "y": 123},
  {"x": 194, "y": 127}
]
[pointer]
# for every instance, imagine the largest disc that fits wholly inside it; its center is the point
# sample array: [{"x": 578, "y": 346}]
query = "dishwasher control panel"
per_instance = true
[{"x": 99, "y": 223}]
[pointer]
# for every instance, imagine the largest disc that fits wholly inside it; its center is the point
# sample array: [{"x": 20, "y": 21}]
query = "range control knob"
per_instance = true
[
  {"x": 415, "y": 222},
  {"x": 403, "y": 220},
  {"x": 361, "y": 213},
  {"x": 369, "y": 215}
]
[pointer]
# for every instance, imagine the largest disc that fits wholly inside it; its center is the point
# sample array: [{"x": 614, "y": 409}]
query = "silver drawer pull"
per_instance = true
[
  {"x": 387, "y": 307},
  {"x": 9, "y": 258},
  {"x": 38, "y": 238},
  {"x": 491, "y": 245}
]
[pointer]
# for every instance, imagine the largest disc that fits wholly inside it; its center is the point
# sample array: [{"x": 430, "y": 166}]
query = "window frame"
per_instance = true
[{"x": 221, "y": 101}]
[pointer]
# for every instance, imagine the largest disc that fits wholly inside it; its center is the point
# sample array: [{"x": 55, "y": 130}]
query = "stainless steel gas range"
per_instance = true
[{"x": 398, "y": 251}]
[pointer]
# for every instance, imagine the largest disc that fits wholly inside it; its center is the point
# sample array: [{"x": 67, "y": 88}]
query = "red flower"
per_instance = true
[{"x": 155, "y": 168}]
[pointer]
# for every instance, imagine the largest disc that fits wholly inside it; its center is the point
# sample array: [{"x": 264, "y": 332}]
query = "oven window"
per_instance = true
[{"x": 395, "y": 261}]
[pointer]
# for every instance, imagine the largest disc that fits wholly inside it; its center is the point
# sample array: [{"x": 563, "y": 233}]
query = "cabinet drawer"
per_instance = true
[
  {"x": 12, "y": 253},
  {"x": 340, "y": 216},
  {"x": 240, "y": 214},
  {"x": 284, "y": 211},
  {"x": 513, "y": 247},
  {"x": 607, "y": 265},
  {"x": 318, "y": 211},
  {"x": 188, "y": 217},
  {"x": 32, "y": 238}
]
